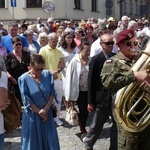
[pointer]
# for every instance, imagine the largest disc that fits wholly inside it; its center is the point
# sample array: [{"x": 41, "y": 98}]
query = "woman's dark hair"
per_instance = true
[
  {"x": 112, "y": 26},
  {"x": 63, "y": 42},
  {"x": 24, "y": 26},
  {"x": 16, "y": 39},
  {"x": 36, "y": 59},
  {"x": 84, "y": 43},
  {"x": 140, "y": 24}
]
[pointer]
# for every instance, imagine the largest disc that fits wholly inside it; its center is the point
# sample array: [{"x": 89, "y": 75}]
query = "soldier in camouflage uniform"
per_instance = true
[{"x": 117, "y": 73}]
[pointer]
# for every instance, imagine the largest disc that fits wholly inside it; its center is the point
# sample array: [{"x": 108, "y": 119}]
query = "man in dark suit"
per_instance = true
[{"x": 99, "y": 98}]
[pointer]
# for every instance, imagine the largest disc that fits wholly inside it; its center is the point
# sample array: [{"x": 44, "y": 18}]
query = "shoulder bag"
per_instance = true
[
  {"x": 12, "y": 114},
  {"x": 72, "y": 115}
]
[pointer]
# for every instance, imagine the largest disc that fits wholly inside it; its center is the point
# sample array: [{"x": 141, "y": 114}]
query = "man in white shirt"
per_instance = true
[
  {"x": 96, "y": 47},
  {"x": 39, "y": 23}
]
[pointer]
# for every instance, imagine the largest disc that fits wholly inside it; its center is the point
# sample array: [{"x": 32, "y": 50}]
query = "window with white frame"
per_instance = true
[
  {"x": 94, "y": 5},
  {"x": 34, "y": 3}
]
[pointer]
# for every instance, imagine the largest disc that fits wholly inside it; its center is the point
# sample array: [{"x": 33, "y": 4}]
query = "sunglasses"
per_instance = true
[
  {"x": 109, "y": 43},
  {"x": 131, "y": 43},
  {"x": 38, "y": 69},
  {"x": 18, "y": 44}
]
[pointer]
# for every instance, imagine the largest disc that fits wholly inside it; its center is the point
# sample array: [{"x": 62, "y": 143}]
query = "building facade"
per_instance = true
[{"x": 73, "y": 9}]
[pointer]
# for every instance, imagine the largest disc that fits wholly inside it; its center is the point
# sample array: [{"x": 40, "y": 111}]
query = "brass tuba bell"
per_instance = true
[{"x": 132, "y": 103}]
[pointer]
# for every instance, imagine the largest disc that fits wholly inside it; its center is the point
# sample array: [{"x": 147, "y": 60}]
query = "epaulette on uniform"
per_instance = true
[{"x": 109, "y": 61}]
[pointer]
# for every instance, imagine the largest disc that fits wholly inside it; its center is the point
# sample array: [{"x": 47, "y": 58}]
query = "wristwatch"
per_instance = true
[{"x": 58, "y": 70}]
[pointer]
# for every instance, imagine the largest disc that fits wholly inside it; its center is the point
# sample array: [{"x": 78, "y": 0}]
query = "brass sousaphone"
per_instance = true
[{"x": 132, "y": 104}]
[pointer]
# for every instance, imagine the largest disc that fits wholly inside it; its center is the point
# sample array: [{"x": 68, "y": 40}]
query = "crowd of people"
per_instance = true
[{"x": 48, "y": 63}]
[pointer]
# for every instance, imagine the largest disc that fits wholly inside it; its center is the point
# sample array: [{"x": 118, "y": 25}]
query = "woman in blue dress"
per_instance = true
[{"x": 37, "y": 92}]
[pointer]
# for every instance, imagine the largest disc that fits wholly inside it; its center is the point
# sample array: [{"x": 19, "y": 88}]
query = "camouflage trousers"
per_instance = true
[{"x": 133, "y": 141}]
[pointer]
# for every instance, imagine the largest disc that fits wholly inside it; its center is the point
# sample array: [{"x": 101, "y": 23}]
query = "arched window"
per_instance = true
[
  {"x": 77, "y": 4},
  {"x": 34, "y": 3},
  {"x": 94, "y": 5}
]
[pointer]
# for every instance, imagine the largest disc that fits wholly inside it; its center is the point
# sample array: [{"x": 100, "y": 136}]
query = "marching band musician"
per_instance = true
[{"x": 117, "y": 73}]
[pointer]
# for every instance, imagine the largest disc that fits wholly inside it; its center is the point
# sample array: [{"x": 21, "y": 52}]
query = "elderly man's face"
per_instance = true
[
  {"x": 125, "y": 22},
  {"x": 107, "y": 43},
  {"x": 128, "y": 48},
  {"x": 53, "y": 42}
]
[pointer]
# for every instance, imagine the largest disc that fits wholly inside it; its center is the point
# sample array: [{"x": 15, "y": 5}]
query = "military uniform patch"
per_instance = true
[{"x": 108, "y": 60}]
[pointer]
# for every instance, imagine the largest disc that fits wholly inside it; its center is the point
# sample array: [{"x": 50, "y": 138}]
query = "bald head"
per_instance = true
[
  {"x": 105, "y": 37},
  {"x": 52, "y": 35},
  {"x": 53, "y": 39}
]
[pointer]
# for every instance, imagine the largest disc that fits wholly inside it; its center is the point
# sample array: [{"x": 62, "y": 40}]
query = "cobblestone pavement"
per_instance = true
[{"x": 69, "y": 137}]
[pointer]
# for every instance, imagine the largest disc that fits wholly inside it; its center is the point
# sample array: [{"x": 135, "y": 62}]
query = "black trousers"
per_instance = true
[
  {"x": 83, "y": 112},
  {"x": 100, "y": 117}
]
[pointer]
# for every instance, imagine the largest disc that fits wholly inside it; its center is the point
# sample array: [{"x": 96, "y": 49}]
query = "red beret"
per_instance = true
[{"x": 125, "y": 35}]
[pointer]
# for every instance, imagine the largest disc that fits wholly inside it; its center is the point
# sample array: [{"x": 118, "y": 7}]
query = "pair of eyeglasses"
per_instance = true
[
  {"x": 131, "y": 43},
  {"x": 38, "y": 69},
  {"x": 18, "y": 44},
  {"x": 109, "y": 43}
]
